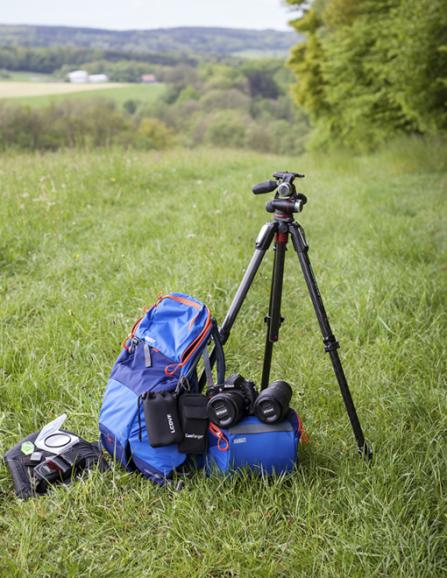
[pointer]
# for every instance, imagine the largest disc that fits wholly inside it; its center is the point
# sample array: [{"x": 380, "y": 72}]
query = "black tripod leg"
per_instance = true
[
  {"x": 263, "y": 242},
  {"x": 273, "y": 318},
  {"x": 330, "y": 343},
  {"x": 268, "y": 349}
]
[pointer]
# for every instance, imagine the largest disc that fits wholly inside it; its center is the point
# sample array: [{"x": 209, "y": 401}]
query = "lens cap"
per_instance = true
[
  {"x": 272, "y": 403},
  {"x": 221, "y": 411},
  {"x": 268, "y": 410}
]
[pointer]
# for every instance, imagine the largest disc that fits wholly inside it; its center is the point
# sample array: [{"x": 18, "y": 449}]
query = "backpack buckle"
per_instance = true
[{"x": 183, "y": 385}]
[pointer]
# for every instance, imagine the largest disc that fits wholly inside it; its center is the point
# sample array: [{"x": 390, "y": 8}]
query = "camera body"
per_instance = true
[
  {"x": 230, "y": 402},
  {"x": 237, "y": 397}
]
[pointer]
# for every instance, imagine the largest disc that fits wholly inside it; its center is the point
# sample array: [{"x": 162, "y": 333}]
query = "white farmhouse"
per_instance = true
[
  {"x": 98, "y": 78},
  {"x": 78, "y": 76},
  {"x": 83, "y": 77}
]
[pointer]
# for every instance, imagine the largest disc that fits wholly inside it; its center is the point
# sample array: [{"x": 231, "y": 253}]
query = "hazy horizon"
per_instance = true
[
  {"x": 110, "y": 29},
  {"x": 149, "y": 15}
]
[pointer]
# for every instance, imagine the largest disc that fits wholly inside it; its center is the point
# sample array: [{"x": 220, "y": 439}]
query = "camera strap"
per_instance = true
[{"x": 207, "y": 365}]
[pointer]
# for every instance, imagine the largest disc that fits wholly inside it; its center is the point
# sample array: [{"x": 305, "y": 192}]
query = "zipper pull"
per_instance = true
[
  {"x": 147, "y": 356},
  {"x": 221, "y": 438}
]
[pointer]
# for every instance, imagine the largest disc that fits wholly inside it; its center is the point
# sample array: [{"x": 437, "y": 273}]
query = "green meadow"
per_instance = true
[
  {"x": 26, "y": 76},
  {"x": 88, "y": 238},
  {"x": 119, "y": 94}
]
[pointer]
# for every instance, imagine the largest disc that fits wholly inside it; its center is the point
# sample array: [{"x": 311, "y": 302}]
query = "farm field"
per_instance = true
[
  {"x": 89, "y": 238},
  {"x": 42, "y": 93}
]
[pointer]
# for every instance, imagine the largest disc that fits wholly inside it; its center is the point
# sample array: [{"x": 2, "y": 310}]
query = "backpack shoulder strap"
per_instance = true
[
  {"x": 217, "y": 357},
  {"x": 219, "y": 354}
]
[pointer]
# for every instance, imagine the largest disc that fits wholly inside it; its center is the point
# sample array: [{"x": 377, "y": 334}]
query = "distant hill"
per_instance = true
[{"x": 198, "y": 40}]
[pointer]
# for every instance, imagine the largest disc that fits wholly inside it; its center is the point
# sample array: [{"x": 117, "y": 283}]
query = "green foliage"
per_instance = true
[
  {"x": 226, "y": 128},
  {"x": 188, "y": 93},
  {"x": 371, "y": 70},
  {"x": 416, "y": 67},
  {"x": 245, "y": 106},
  {"x": 306, "y": 62},
  {"x": 236, "y": 106},
  {"x": 95, "y": 122},
  {"x": 261, "y": 79},
  {"x": 219, "y": 76},
  {"x": 88, "y": 238},
  {"x": 51, "y": 58},
  {"x": 223, "y": 99},
  {"x": 153, "y": 134}
]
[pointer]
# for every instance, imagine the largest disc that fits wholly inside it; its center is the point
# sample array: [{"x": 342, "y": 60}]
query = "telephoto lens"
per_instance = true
[
  {"x": 226, "y": 409},
  {"x": 272, "y": 404}
]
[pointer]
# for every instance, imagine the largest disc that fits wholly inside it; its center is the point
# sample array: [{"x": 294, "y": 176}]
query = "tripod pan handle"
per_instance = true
[{"x": 265, "y": 187}]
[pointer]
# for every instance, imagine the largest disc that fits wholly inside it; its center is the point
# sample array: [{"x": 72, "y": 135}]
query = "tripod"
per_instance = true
[{"x": 282, "y": 227}]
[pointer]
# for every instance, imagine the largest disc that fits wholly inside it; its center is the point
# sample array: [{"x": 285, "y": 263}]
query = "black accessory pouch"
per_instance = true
[
  {"x": 162, "y": 419},
  {"x": 64, "y": 468},
  {"x": 194, "y": 418}
]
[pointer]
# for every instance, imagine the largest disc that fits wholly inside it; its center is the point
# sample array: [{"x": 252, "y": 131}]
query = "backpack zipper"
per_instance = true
[
  {"x": 190, "y": 350},
  {"x": 187, "y": 354}
]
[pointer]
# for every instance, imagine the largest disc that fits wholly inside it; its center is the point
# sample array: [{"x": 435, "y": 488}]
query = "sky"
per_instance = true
[{"x": 143, "y": 14}]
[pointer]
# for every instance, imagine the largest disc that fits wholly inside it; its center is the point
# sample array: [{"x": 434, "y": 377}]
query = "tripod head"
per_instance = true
[{"x": 286, "y": 200}]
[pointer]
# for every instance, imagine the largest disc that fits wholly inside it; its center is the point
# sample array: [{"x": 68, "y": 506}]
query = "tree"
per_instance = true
[
  {"x": 372, "y": 69},
  {"x": 261, "y": 78},
  {"x": 153, "y": 134},
  {"x": 306, "y": 61}
]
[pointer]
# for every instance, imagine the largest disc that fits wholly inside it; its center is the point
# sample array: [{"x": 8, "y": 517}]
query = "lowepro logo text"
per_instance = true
[
  {"x": 240, "y": 440},
  {"x": 170, "y": 423}
]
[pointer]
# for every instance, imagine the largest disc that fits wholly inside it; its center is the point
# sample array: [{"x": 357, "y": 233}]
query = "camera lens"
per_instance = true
[
  {"x": 272, "y": 403},
  {"x": 226, "y": 409}
]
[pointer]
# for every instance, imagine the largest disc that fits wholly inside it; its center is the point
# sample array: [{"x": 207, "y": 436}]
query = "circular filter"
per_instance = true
[{"x": 57, "y": 440}]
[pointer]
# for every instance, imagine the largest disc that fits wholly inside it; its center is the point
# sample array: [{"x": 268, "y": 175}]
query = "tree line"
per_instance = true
[
  {"x": 180, "y": 40},
  {"x": 56, "y": 59},
  {"x": 369, "y": 70}
]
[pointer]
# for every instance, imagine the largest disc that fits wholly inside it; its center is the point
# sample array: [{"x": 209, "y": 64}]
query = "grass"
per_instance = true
[
  {"x": 40, "y": 94},
  {"x": 89, "y": 238},
  {"x": 26, "y": 76}
]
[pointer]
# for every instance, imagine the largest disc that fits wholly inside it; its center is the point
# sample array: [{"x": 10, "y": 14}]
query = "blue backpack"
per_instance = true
[{"x": 160, "y": 353}]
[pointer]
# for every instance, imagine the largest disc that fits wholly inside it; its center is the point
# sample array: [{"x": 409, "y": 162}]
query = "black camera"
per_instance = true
[
  {"x": 272, "y": 404},
  {"x": 230, "y": 402}
]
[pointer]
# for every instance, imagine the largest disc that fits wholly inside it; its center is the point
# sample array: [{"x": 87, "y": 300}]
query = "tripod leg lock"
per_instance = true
[
  {"x": 330, "y": 343},
  {"x": 265, "y": 236},
  {"x": 267, "y": 319}
]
